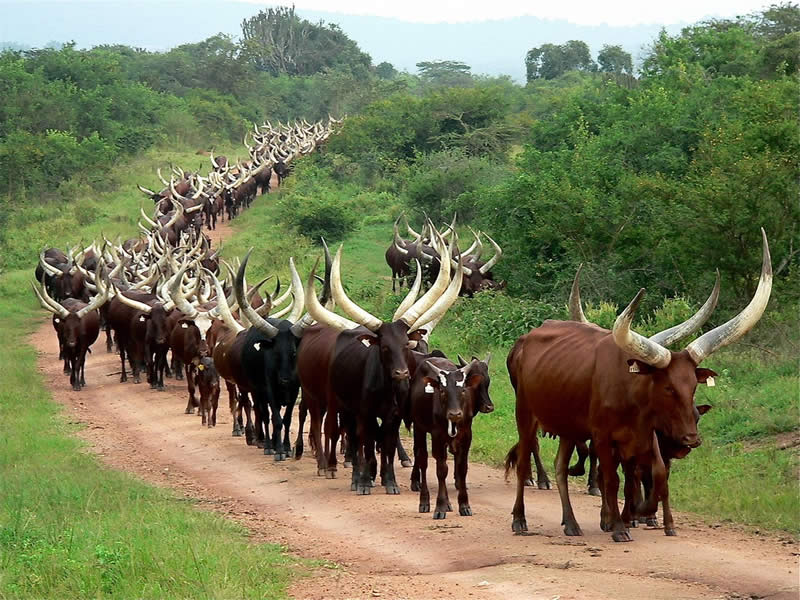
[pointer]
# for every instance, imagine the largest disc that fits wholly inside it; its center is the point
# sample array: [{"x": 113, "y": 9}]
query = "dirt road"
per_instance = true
[{"x": 383, "y": 546}]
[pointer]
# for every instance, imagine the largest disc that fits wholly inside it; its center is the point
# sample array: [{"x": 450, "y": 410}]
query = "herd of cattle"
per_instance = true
[{"x": 619, "y": 397}]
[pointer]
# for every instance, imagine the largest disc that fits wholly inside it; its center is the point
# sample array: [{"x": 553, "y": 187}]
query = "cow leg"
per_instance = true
[
  {"x": 579, "y": 468},
  {"x": 302, "y": 412},
  {"x": 391, "y": 441},
  {"x": 461, "y": 466},
  {"x": 632, "y": 492},
  {"x": 594, "y": 488},
  {"x": 669, "y": 524},
  {"x": 178, "y": 367},
  {"x": 331, "y": 439},
  {"x": 610, "y": 482},
  {"x": 277, "y": 428},
  {"x": 232, "y": 404},
  {"x": 519, "y": 523},
  {"x": 565, "y": 448},
  {"x": 124, "y": 376},
  {"x": 287, "y": 421},
  {"x": 83, "y": 366},
  {"x": 214, "y": 404},
  {"x": 405, "y": 461},
  {"x": 249, "y": 432},
  {"x": 421, "y": 467},
  {"x": 190, "y": 384},
  {"x": 542, "y": 480},
  {"x": 439, "y": 451},
  {"x": 161, "y": 369}
]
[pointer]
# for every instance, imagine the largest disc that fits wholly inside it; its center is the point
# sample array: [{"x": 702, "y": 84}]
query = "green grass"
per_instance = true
[
  {"x": 755, "y": 396},
  {"x": 70, "y": 528}
]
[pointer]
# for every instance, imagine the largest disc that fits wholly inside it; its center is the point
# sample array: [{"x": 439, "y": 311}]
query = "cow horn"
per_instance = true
[
  {"x": 176, "y": 294},
  {"x": 135, "y": 304},
  {"x": 299, "y": 294},
  {"x": 637, "y": 345},
  {"x": 95, "y": 303},
  {"x": 319, "y": 312},
  {"x": 279, "y": 314},
  {"x": 147, "y": 219},
  {"x": 144, "y": 190},
  {"x": 429, "y": 298},
  {"x": 175, "y": 193},
  {"x": 411, "y": 232},
  {"x": 445, "y": 301},
  {"x": 48, "y": 303},
  {"x": 255, "y": 319},
  {"x": 161, "y": 177},
  {"x": 348, "y": 306},
  {"x": 222, "y": 304},
  {"x": 47, "y": 266},
  {"x": 177, "y": 215},
  {"x": 498, "y": 252},
  {"x": 688, "y": 327},
  {"x": 411, "y": 296},
  {"x": 729, "y": 332},
  {"x": 467, "y": 270},
  {"x": 575, "y": 309}
]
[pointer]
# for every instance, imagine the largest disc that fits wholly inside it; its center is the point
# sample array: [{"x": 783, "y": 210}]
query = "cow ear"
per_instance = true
[
  {"x": 703, "y": 375},
  {"x": 417, "y": 335},
  {"x": 431, "y": 384},
  {"x": 474, "y": 380},
  {"x": 703, "y": 408},
  {"x": 367, "y": 339},
  {"x": 638, "y": 367}
]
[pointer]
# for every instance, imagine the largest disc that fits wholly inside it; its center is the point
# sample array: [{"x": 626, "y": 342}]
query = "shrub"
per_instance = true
[{"x": 321, "y": 215}]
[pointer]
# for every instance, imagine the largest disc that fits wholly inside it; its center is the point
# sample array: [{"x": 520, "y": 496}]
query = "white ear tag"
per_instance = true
[
  {"x": 365, "y": 341},
  {"x": 710, "y": 382},
  {"x": 428, "y": 388},
  {"x": 257, "y": 345},
  {"x": 141, "y": 319},
  {"x": 57, "y": 320},
  {"x": 634, "y": 368},
  {"x": 184, "y": 326}
]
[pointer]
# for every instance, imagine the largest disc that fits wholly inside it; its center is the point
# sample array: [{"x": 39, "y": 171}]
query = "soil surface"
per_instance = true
[{"x": 379, "y": 546}]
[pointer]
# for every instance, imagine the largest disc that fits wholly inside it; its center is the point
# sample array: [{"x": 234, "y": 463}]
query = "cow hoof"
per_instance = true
[
  {"x": 544, "y": 484},
  {"x": 161, "y": 388},
  {"x": 330, "y": 474},
  {"x": 576, "y": 471},
  {"x": 268, "y": 451},
  {"x": 621, "y": 536},
  {"x": 465, "y": 511},
  {"x": 137, "y": 380},
  {"x": 123, "y": 379},
  {"x": 634, "y": 523},
  {"x": 605, "y": 526},
  {"x": 347, "y": 464},
  {"x": 528, "y": 483},
  {"x": 279, "y": 457},
  {"x": 392, "y": 489},
  {"x": 519, "y": 525},
  {"x": 236, "y": 433},
  {"x": 189, "y": 411},
  {"x": 406, "y": 463},
  {"x": 670, "y": 532},
  {"x": 593, "y": 491},
  {"x": 76, "y": 388},
  {"x": 424, "y": 507},
  {"x": 438, "y": 514},
  {"x": 572, "y": 529},
  {"x": 652, "y": 522},
  {"x": 363, "y": 490},
  {"x": 321, "y": 472},
  {"x": 449, "y": 507},
  {"x": 352, "y": 487},
  {"x": 415, "y": 486}
]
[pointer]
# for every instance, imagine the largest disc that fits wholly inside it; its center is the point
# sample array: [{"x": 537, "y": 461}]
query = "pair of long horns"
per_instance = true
[{"x": 652, "y": 350}]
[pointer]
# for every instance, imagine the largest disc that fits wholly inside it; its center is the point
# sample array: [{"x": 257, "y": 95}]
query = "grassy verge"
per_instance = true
[
  {"x": 755, "y": 396},
  {"x": 70, "y": 528}
]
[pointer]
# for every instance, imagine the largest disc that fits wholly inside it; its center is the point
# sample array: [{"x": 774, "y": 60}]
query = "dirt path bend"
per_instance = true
[{"x": 384, "y": 547}]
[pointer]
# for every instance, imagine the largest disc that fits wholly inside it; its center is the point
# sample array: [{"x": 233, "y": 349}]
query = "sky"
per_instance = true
[{"x": 580, "y": 12}]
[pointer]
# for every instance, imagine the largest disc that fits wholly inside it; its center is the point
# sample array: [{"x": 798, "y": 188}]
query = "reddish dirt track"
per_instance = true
[{"x": 383, "y": 547}]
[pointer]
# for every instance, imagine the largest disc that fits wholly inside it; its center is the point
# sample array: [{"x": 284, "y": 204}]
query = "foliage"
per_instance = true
[
  {"x": 278, "y": 41},
  {"x": 613, "y": 59},
  {"x": 446, "y": 73},
  {"x": 549, "y": 61}
]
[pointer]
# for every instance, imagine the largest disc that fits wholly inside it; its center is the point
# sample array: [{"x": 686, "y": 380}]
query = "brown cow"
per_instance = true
[
  {"x": 579, "y": 381},
  {"x": 208, "y": 384}
]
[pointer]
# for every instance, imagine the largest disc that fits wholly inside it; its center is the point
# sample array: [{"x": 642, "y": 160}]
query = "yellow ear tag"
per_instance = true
[
  {"x": 200, "y": 367},
  {"x": 710, "y": 382},
  {"x": 634, "y": 368}
]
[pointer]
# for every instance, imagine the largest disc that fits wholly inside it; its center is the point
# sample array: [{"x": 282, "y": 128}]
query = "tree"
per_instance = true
[
  {"x": 613, "y": 59},
  {"x": 280, "y": 42},
  {"x": 551, "y": 60},
  {"x": 386, "y": 70},
  {"x": 779, "y": 20},
  {"x": 447, "y": 73}
]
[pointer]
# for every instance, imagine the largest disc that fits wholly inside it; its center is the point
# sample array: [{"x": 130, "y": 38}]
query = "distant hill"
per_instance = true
[{"x": 489, "y": 47}]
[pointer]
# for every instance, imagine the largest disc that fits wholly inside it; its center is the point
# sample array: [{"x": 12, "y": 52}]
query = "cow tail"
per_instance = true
[{"x": 511, "y": 459}]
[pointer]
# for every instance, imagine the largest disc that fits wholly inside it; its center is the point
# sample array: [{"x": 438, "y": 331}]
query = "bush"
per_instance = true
[{"x": 321, "y": 215}]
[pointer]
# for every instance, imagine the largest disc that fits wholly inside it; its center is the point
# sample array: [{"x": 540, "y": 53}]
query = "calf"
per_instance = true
[
  {"x": 208, "y": 383},
  {"x": 444, "y": 399}
]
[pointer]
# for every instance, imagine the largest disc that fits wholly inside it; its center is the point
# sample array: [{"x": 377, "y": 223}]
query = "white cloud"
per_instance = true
[{"x": 581, "y": 12}]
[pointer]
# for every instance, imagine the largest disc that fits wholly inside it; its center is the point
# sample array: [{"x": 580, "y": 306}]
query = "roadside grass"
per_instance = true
[
  {"x": 755, "y": 396},
  {"x": 70, "y": 528}
]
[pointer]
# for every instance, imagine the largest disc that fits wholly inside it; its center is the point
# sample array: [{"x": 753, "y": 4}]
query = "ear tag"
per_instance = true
[
  {"x": 710, "y": 382},
  {"x": 141, "y": 319},
  {"x": 200, "y": 367},
  {"x": 365, "y": 341},
  {"x": 428, "y": 388},
  {"x": 257, "y": 346},
  {"x": 634, "y": 368},
  {"x": 57, "y": 320},
  {"x": 184, "y": 326}
]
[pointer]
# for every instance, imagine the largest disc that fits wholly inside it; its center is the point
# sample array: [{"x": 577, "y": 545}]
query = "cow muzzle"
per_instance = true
[
  {"x": 400, "y": 374},
  {"x": 691, "y": 441}
]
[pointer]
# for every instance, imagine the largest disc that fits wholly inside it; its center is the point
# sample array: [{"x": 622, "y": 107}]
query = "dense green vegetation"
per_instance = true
[{"x": 651, "y": 181}]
